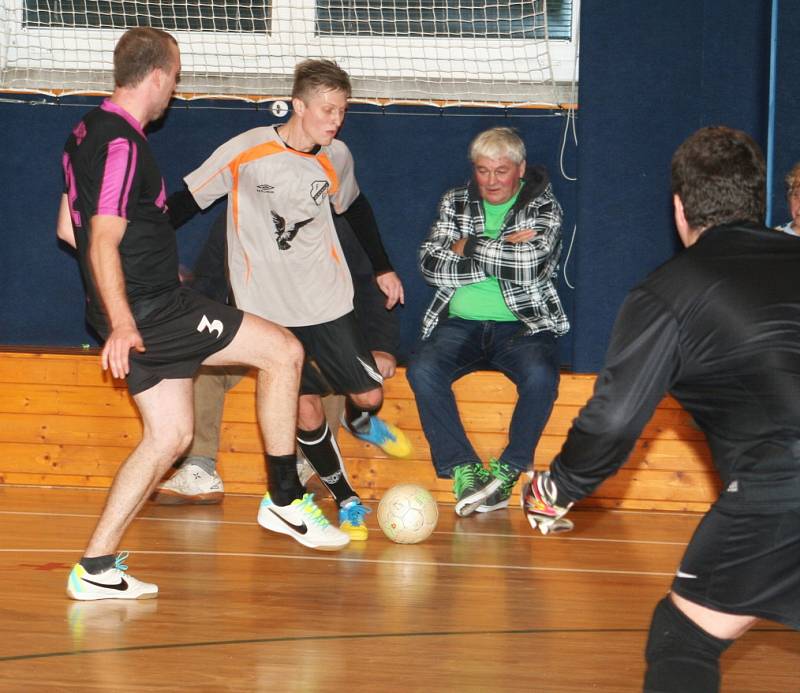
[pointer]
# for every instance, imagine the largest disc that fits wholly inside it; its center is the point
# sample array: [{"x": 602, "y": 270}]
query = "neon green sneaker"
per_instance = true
[
  {"x": 472, "y": 485},
  {"x": 508, "y": 477}
]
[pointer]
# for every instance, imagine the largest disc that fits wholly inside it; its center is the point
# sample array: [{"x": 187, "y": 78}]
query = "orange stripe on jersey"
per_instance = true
[
  {"x": 257, "y": 152},
  {"x": 327, "y": 166},
  {"x": 324, "y": 162},
  {"x": 335, "y": 255}
]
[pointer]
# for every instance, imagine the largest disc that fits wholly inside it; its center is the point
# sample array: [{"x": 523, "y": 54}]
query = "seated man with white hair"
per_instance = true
[{"x": 492, "y": 254}]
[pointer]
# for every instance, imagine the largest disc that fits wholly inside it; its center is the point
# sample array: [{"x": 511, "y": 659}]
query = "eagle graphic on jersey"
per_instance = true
[{"x": 284, "y": 236}]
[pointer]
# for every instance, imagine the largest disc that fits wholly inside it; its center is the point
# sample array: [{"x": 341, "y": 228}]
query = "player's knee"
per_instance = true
[
  {"x": 282, "y": 351},
  {"x": 370, "y": 401},
  {"x": 681, "y": 656},
  {"x": 170, "y": 441}
]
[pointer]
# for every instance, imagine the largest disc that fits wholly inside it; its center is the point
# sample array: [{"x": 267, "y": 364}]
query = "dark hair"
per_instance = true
[
  {"x": 311, "y": 75},
  {"x": 719, "y": 174},
  {"x": 138, "y": 52}
]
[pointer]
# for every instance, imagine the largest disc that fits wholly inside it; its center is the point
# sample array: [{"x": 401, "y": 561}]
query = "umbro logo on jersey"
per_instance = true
[
  {"x": 206, "y": 324},
  {"x": 264, "y": 188},
  {"x": 302, "y": 528},
  {"x": 318, "y": 190},
  {"x": 121, "y": 586}
]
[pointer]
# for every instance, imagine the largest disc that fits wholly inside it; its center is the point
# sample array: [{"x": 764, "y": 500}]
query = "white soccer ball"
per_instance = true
[{"x": 407, "y": 514}]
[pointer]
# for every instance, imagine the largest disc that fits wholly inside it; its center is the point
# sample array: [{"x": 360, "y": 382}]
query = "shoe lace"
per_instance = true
[
  {"x": 313, "y": 511},
  {"x": 119, "y": 561},
  {"x": 463, "y": 477},
  {"x": 354, "y": 513}
]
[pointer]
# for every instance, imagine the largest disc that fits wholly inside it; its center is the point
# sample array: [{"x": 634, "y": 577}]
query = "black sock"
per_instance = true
[
  {"x": 322, "y": 453},
  {"x": 357, "y": 419},
  {"x": 681, "y": 656},
  {"x": 98, "y": 564},
  {"x": 282, "y": 481}
]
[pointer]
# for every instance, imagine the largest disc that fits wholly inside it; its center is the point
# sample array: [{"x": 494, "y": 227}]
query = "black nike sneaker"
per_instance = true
[
  {"x": 113, "y": 583},
  {"x": 302, "y": 520}
]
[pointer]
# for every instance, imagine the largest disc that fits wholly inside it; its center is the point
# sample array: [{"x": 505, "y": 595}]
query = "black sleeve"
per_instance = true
[
  {"x": 642, "y": 363},
  {"x": 209, "y": 272},
  {"x": 181, "y": 207},
  {"x": 362, "y": 220}
]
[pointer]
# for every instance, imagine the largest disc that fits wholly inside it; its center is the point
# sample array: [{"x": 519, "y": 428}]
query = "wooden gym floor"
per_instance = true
[{"x": 484, "y": 605}]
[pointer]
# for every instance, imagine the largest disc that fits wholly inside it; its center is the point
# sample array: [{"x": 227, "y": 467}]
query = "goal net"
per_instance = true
[{"x": 431, "y": 51}]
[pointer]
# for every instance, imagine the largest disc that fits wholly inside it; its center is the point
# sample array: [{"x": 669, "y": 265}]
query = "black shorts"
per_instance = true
[
  {"x": 745, "y": 563},
  {"x": 337, "y": 359},
  {"x": 179, "y": 333}
]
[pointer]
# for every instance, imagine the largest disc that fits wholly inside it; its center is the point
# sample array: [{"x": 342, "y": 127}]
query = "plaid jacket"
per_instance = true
[{"x": 525, "y": 270}]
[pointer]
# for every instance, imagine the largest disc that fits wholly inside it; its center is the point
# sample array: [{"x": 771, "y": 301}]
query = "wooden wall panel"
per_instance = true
[{"x": 64, "y": 422}]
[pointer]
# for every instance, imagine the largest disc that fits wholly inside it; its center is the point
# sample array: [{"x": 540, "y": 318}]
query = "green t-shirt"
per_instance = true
[{"x": 484, "y": 300}]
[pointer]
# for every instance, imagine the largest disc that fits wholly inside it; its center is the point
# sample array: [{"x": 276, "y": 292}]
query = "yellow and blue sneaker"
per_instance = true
[
  {"x": 384, "y": 435},
  {"x": 351, "y": 519}
]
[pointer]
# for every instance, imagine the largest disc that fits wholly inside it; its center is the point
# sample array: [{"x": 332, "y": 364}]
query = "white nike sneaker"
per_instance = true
[
  {"x": 303, "y": 521},
  {"x": 190, "y": 484},
  {"x": 113, "y": 583}
]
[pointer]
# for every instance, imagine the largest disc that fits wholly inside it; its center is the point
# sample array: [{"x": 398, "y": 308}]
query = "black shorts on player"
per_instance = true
[
  {"x": 338, "y": 360},
  {"x": 179, "y": 333},
  {"x": 745, "y": 562}
]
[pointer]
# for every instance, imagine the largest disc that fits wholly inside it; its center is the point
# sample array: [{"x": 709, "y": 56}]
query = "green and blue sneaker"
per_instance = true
[
  {"x": 508, "y": 477},
  {"x": 472, "y": 485}
]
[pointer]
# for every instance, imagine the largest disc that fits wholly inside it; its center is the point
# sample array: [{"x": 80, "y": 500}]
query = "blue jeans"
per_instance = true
[{"x": 458, "y": 347}]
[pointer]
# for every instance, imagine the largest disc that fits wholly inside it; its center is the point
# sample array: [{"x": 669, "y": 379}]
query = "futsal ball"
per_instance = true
[{"x": 407, "y": 514}]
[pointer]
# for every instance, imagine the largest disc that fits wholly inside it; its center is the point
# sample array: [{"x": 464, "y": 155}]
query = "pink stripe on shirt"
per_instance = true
[
  {"x": 111, "y": 107},
  {"x": 117, "y": 178}
]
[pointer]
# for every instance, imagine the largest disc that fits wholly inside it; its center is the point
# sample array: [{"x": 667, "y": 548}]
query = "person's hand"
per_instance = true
[
  {"x": 521, "y": 236},
  {"x": 458, "y": 246},
  {"x": 390, "y": 284},
  {"x": 117, "y": 348},
  {"x": 386, "y": 363}
]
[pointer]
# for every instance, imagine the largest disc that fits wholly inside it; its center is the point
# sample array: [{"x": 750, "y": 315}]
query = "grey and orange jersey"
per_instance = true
[{"x": 284, "y": 257}]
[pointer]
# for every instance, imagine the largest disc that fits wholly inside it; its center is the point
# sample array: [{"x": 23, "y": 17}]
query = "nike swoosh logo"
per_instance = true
[
  {"x": 302, "y": 528},
  {"x": 121, "y": 585},
  {"x": 688, "y": 576}
]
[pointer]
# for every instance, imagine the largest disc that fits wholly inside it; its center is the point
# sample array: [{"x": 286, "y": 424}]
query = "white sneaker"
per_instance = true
[
  {"x": 113, "y": 583},
  {"x": 303, "y": 521},
  {"x": 190, "y": 484}
]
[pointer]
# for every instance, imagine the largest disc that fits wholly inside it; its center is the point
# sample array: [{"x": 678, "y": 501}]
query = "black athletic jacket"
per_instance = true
[{"x": 717, "y": 326}]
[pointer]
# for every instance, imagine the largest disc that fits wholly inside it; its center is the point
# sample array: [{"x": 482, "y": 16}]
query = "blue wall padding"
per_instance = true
[
  {"x": 405, "y": 159},
  {"x": 650, "y": 74}
]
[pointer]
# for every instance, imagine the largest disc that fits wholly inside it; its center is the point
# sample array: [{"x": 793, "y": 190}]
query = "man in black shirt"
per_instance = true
[
  {"x": 718, "y": 327},
  {"x": 113, "y": 211}
]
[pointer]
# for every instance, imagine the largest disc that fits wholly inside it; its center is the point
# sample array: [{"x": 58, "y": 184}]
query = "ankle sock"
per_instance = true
[
  {"x": 283, "y": 483},
  {"x": 98, "y": 564}
]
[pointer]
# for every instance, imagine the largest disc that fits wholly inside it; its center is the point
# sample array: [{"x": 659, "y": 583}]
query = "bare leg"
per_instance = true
[
  {"x": 718, "y": 623},
  {"x": 278, "y": 357},
  {"x": 166, "y": 411},
  {"x": 310, "y": 413}
]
